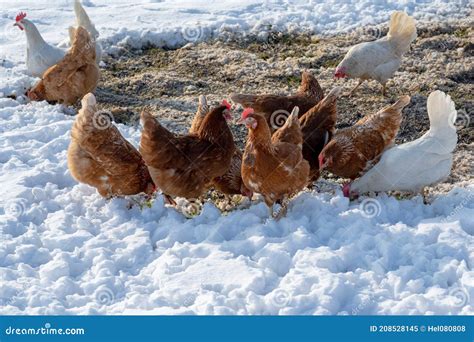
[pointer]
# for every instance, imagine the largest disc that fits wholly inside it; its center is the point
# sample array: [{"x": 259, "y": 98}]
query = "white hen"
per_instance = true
[
  {"x": 378, "y": 60},
  {"x": 419, "y": 163},
  {"x": 82, "y": 19},
  {"x": 39, "y": 54}
]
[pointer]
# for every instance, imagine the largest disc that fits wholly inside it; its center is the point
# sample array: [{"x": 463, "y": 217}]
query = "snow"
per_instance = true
[
  {"x": 66, "y": 250},
  {"x": 174, "y": 23}
]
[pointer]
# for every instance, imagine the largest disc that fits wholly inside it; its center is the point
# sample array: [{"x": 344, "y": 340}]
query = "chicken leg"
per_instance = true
[
  {"x": 356, "y": 87},
  {"x": 425, "y": 194},
  {"x": 169, "y": 200},
  {"x": 283, "y": 210}
]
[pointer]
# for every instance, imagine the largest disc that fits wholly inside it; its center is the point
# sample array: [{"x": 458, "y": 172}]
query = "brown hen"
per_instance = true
[
  {"x": 352, "y": 151},
  {"x": 72, "y": 77},
  {"x": 185, "y": 166},
  {"x": 274, "y": 166},
  {"x": 231, "y": 182},
  {"x": 276, "y": 108},
  {"x": 318, "y": 126},
  {"x": 100, "y": 156}
]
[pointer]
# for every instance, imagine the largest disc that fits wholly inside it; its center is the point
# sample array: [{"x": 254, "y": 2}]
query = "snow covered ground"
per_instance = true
[{"x": 65, "y": 250}]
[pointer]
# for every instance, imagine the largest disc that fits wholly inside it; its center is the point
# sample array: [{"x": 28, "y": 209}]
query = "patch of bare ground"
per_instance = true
[{"x": 170, "y": 81}]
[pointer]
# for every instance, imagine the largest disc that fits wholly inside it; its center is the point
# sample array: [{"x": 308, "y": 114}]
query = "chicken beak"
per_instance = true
[
  {"x": 321, "y": 162},
  {"x": 340, "y": 72},
  {"x": 240, "y": 121},
  {"x": 346, "y": 190},
  {"x": 18, "y": 25},
  {"x": 32, "y": 95}
]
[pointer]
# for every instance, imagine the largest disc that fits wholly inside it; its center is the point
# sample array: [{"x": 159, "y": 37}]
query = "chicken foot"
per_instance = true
[
  {"x": 169, "y": 200},
  {"x": 283, "y": 210},
  {"x": 425, "y": 193}
]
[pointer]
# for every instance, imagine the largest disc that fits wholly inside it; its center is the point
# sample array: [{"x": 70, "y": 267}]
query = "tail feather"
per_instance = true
[
  {"x": 332, "y": 96},
  {"x": 201, "y": 112},
  {"x": 310, "y": 86},
  {"x": 153, "y": 128},
  {"x": 88, "y": 101},
  {"x": 203, "y": 108},
  {"x": 243, "y": 99},
  {"x": 441, "y": 111},
  {"x": 402, "y": 31},
  {"x": 148, "y": 121},
  {"x": 324, "y": 113},
  {"x": 82, "y": 19},
  {"x": 400, "y": 104},
  {"x": 72, "y": 33},
  {"x": 294, "y": 113},
  {"x": 91, "y": 123},
  {"x": 88, "y": 110},
  {"x": 290, "y": 132}
]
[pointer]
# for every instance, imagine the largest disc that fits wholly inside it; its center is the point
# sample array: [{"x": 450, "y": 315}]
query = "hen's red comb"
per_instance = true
[
  {"x": 20, "y": 16},
  {"x": 226, "y": 104},
  {"x": 247, "y": 112}
]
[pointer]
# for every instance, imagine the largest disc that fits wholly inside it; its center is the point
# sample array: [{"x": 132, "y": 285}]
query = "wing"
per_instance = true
[
  {"x": 287, "y": 154},
  {"x": 386, "y": 70},
  {"x": 406, "y": 167}
]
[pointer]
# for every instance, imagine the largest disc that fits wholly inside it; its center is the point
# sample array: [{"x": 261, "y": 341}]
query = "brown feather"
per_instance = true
[
  {"x": 353, "y": 149},
  {"x": 74, "y": 76},
  {"x": 276, "y": 169},
  {"x": 308, "y": 94},
  {"x": 185, "y": 165},
  {"x": 318, "y": 126},
  {"x": 230, "y": 183},
  {"x": 201, "y": 112},
  {"x": 100, "y": 156}
]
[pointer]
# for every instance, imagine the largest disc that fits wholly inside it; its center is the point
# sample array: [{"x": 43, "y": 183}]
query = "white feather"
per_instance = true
[
  {"x": 419, "y": 163},
  {"x": 82, "y": 19},
  {"x": 379, "y": 59},
  {"x": 39, "y": 54}
]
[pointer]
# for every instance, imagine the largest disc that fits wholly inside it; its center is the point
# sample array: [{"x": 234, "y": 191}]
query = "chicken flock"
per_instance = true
[{"x": 291, "y": 139}]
